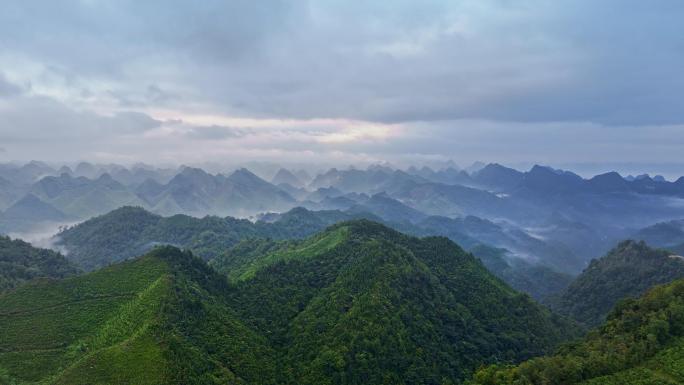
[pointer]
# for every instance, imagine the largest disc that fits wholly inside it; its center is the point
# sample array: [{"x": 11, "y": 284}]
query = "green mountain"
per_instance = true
[
  {"x": 641, "y": 343},
  {"x": 356, "y": 304},
  {"x": 626, "y": 271},
  {"x": 20, "y": 262},
  {"x": 159, "y": 319},
  {"x": 130, "y": 231},
  {"x": 363, "y": 304},
  {"x": 539, "y": 281}
]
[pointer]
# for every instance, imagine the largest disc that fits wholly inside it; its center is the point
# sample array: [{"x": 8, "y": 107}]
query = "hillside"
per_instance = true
[
  {"x": 539, "y": 281},
  {"x": 357, "y": 303},
  {"x": 361, "y": 303},
  {"x": 626, "y": 271},
  {"x": 641, "y": 343},
  {"x": 131, "y": 231},
  {"x": 160, "y": 319},
  {"x": 20, "y": 262}
]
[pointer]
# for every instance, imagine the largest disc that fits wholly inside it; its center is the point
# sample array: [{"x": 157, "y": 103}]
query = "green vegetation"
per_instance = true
[
  {"x": 357, "y": 304},
  {"x": 626, "y": 271},
  {"x": 20, "y": 262},
  {"x": 539, "y": 281},
  {"x": 159, "y": 319},
  {"x": 130, "y": 231},
  {"x": 363, "y": 304},
  {"x": 642, "y": 343}
]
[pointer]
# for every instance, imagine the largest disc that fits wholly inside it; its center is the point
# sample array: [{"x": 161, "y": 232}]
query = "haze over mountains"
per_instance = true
[{"x": 544, "y": 216}]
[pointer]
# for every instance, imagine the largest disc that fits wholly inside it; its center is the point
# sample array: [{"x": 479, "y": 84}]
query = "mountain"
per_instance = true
[
  {"x": 286, "y": 177},
  {"x": 539, "y": 281},
  {"x": 607, "y": 183},
  {"x": 20, "y": 262},
  {"x": 28, "y": 212},
  {"x": 545, "y": 180},
  {"x": 159, "y": 319},
  {"x": 8, "y": 193},
  {"x": 371, "y": 181},
  {"x": 626, "y": 271},
  {"x": 357, "y": 303},
  {"x": 390, "y": 210},
  {"x": 642, "y": 342},
  {"x": 81, "y": 197},
  {"x": 130, "y": 231},
  {"x": 361, "y": 303},
  {"x": 195, "y": 192},
  {"x": 667, "y": 235},
  {"x": 498, "y": 177}
]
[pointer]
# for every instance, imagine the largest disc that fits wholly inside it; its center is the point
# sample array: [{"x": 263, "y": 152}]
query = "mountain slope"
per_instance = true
[
  {"x": 641, "y": 343},
  {"x": 131, "y": 231},
  {"x": 20, "y": 262},
  {"x": 626, "y": 271},
  {"x": 159, "y": 319},
  {"x": 361, "y": 303},
  {"x": 27, "y": 212}
]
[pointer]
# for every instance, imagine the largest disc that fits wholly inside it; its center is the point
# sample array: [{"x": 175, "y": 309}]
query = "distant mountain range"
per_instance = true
[{"x": 544, "y": 215}]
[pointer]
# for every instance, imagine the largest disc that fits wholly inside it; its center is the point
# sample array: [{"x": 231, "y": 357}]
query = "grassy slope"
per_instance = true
[{"x": 154, "y": 320}]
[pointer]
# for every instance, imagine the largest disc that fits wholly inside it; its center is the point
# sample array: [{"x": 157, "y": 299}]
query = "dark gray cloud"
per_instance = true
[{"x": 541, "y": 72}]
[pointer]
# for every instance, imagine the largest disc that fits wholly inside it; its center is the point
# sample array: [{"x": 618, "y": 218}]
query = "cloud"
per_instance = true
[
  {"x": 216, "y": 132},
  {"x": 31, "y": 118},
  {"x": 342, "y": 80},
  {"x": 8, "y": 89}
]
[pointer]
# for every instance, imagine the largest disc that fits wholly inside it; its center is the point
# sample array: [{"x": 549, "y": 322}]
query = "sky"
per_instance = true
[{"x": 559, "y": 82}]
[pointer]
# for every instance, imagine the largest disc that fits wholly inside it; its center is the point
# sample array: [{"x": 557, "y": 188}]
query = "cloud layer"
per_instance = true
[{"x": 529, "y": 80}]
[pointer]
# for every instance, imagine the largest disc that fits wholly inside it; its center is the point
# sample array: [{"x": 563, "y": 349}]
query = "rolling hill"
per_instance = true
[
  {"x": 160, "y": 319},
  {"x": 21, "y": 262},
  {"x": 361, "y": 303},
  {"x": 641, "y": 343},
  {"x": 356, "y": 303},
  {"x": 626, "y": 271}
]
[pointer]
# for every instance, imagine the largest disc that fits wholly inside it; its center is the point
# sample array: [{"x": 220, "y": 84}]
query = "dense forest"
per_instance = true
[
  {"x": 357, "y": 304},
  {"x": 20, "y": 262},
  {"x": 131, "y": 231},
  {"x": 642, "y": 342},
  {"x": 628, "y": 270}
]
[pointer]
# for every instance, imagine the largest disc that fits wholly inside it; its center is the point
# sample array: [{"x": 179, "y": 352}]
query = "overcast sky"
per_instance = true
[{"x": 513, "y": 81}]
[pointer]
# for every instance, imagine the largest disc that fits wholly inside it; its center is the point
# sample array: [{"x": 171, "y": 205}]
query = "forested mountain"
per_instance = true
[
  {"x": 131, "y": 231},
  {"x": 626, "y": 271},
  {"x": 21, "y": 262},
  {"x": 361, "y": 303},
  {"x": 642, "y": 342},
  {"x": 539, "y": 281},
  {"x": 358, "y": 303},
  {"x": 160, "y": 319}
]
